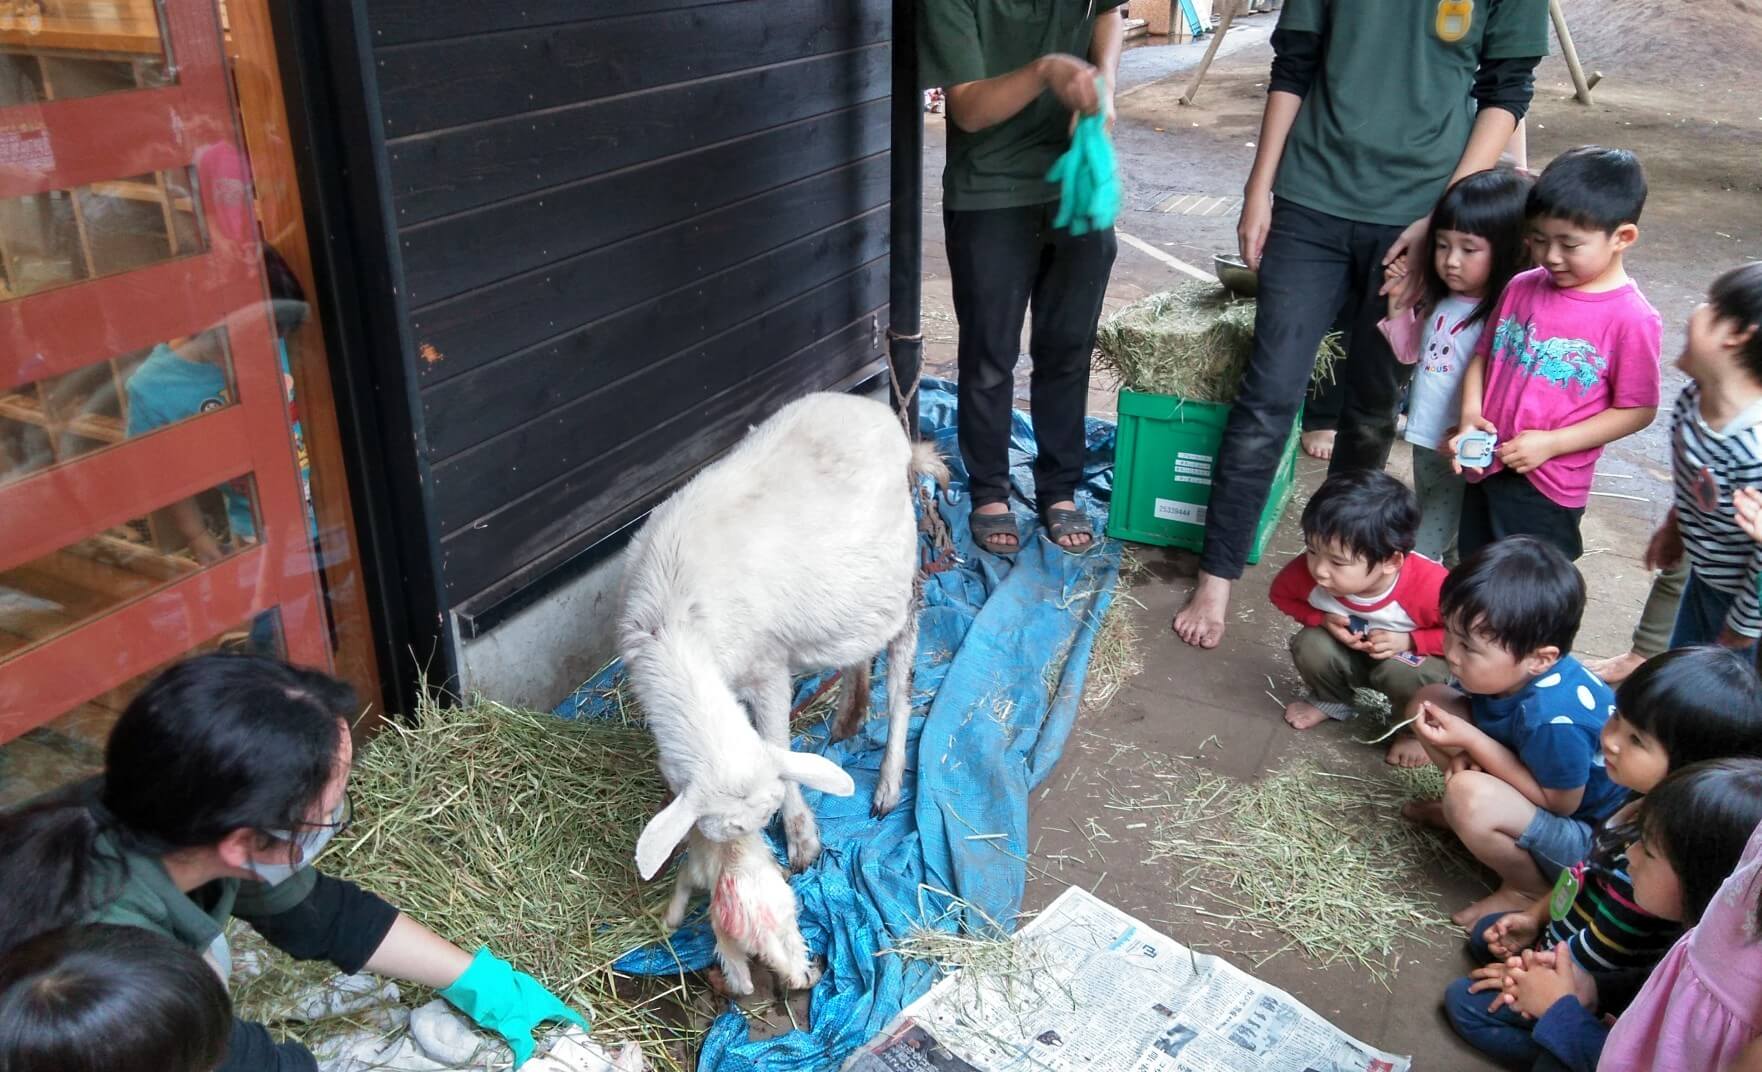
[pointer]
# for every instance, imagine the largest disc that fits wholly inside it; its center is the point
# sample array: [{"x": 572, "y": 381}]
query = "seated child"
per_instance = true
[
  {"x": 1681, "y": 708},
  {"x": 1570, "y": 362},
  {"x": 1716, "y": 449},
  {"x": 1367, "y": 603},
  {"x": 107, "y": 998},
  {"x": 1697, "y": 1009},
  {"x": 1517, "y": 737}
]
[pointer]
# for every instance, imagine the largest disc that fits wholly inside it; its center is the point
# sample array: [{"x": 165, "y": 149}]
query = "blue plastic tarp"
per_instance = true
[{"x": 1003, "y": 647}]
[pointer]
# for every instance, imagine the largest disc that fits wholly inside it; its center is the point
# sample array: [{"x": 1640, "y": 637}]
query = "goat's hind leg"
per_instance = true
[
  {"x": 853, "y": 700},
  {"x": 902, "y": 652},
  {"x": 786, "y": 954}
]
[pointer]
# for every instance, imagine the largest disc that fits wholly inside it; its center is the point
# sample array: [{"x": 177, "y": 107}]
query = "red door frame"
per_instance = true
[{"x": 42, "y": 335}]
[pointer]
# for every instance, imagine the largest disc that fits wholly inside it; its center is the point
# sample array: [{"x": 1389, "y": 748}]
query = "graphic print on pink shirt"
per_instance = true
[{"x": 1556, "y": 358}]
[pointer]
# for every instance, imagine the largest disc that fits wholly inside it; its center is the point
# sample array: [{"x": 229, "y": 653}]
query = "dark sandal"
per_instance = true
[
  {"x": 988, "y": 526},
  {"x": 1061, "y": 522}
]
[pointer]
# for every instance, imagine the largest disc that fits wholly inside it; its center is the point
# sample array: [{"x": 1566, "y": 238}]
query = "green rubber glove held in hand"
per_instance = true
[
  {"x": 1089, "y": 185},
  {"x": 508, "y": 1002}
]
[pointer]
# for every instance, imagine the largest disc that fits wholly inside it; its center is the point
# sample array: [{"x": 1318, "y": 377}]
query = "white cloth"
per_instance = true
[{"x": 1434, "y": 401}]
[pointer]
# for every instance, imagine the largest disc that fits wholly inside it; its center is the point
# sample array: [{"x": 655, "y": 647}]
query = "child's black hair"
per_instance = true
[
  {"x": 1491, "y": 205},
  {"x": 1592, "y": 187},
  {"x": 1700, "y": 818},
  {"x": 1366, "y": 511},
  {"x": 1701, "y": 703},
  {"x": 1520, "y": 592},
  {"x": 214, "y": 744},
  {"x": 1737, "y": 296},
  {"x": 107, "y": 998},
  {"x": 287, "y": 298}
]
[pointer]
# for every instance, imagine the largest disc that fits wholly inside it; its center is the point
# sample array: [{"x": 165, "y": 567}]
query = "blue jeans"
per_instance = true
[
  {"x": 1700, "y": 617},
  {"x": 1503, "y": 1035}
]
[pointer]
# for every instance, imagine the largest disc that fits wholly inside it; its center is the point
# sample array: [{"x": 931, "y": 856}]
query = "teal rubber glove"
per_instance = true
[
  {"x": 1087, "y": 176},
  {"x": 508, "y": 1002}
]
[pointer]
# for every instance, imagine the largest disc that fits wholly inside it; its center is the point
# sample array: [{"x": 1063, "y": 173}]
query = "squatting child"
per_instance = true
[{"x": 1368, "y": 605}]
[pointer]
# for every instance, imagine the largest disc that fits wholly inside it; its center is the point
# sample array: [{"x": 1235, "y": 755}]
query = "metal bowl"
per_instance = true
[{"x": 1233, "y": 273}]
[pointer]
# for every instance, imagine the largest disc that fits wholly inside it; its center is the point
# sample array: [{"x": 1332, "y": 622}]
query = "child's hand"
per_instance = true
[
  {"x": 1451, "y": 446},
  {"x": 1748, "y": 504},
  {"x": 1511, "y": 934},
  {"x": 1458, "y": 763},
  {"x": 1665, "y": 550},
  {"x": 1443, "y": 730},
  {"x": 1341, "y": 629},
  {"x": 1491, "y": 978},
  {"x": 1383, "y": 644},
  {"x": 1541, "y": 979},
  {"x": 1526, "y": 451}
]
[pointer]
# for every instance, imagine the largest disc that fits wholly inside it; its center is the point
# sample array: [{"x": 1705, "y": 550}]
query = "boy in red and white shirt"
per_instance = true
[{"x": 1367, "y": 602}]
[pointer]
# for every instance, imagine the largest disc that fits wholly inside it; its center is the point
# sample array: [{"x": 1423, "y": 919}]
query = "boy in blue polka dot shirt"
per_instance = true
[{"x": 1517, "y": 733}]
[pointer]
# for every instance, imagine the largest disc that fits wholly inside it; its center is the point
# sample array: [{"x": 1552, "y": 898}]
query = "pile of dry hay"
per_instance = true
[
  {"x": 1193, "y": 342},
  {"x": 1323, "y": 858},
  {"x": 515, "y": 830}
]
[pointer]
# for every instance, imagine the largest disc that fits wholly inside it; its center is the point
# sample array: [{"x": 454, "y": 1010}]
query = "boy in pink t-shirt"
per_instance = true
[{"x": 1570, "y": 362}]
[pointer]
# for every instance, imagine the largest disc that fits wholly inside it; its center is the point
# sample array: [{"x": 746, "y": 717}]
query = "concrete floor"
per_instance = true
[{"x": 1703, "y": 216}]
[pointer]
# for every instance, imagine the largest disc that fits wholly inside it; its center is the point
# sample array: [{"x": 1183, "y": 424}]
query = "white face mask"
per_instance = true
[{"x": 309, "y": 843}]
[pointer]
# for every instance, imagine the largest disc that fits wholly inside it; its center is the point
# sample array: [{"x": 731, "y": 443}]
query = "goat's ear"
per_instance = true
[
  {"x": 815, "y": 772},
  {"x": 665, "y": 831}
]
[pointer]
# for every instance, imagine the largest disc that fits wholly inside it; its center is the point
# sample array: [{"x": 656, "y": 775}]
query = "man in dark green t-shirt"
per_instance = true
[
  {"x": 1015, "y": 81},
  {"x": 1374, "y": 107}
]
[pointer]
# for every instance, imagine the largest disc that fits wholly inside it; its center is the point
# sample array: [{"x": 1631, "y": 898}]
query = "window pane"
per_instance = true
[
  {"x": 63, "y": 49},
  {"x": 64, "y": 236}
]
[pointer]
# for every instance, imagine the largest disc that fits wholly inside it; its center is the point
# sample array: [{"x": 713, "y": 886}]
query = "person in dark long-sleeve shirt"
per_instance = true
[
  {"x": 223, "y": 780},
  {"x": 1374, "y": 107}
]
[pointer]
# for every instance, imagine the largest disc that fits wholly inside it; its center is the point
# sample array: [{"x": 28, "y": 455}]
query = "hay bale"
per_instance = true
[
  {"x": 513, "y": 829},
  {"x": 1193, "y": 342}
]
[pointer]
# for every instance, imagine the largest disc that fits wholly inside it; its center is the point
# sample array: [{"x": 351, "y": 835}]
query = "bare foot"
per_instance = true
[
  {"x": 1615, "y": 671},
  {"x": 1503, "y": 899},
  {"x": 1425, "y": 813},
  {"x": 1319, "y": 444},
  {"x": 1301, "y": 714},
  {"x": 1406, "y": 751},
  {"x": 1201, "y": 622}
]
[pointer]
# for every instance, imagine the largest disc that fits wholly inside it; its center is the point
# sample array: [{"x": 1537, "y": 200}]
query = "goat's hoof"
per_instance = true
[
  {"x": 886, "y": 799},
  {"x": 804, "y": 842}
]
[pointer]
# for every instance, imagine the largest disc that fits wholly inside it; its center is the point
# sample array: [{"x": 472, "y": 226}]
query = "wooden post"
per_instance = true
[
  {"x": 1581, "y": 88},
  {"x": 1223, "y": 27}
]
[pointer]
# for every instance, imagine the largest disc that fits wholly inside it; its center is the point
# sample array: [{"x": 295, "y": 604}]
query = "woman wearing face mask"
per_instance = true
[{"x": 222, "y": 782}]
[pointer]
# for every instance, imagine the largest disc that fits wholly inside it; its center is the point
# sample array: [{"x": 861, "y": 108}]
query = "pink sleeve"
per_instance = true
[
  {"x": 1633, "y": 372},
  {"x": 1404, "y": 331}
]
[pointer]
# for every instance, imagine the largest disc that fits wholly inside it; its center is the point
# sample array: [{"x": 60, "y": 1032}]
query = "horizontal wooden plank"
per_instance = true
[
  {"x": 475, "y": 328},
  {"x": 467, "y": 167},
  {"x": 470, "y": 486},
  {"x": 398, "y": 22},
  {"x": 464, "y": 252},
  {"x": 573, "y": 512},
  {"x": 451, "y": 83},
  {"x": 470, "y": 409}
]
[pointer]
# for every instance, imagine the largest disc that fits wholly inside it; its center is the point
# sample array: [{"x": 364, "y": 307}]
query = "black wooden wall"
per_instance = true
[{"x": 627, "y": 229}]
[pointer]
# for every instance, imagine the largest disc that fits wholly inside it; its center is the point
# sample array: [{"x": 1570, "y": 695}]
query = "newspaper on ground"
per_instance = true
[{"x": 1088, "y": 987}]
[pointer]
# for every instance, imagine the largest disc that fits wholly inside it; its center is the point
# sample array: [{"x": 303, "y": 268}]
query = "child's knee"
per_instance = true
[
  {"x": 1472, "y": 799},
  {"x": 1439, "y": 695},
  {"x": 1314, "y": 650}
]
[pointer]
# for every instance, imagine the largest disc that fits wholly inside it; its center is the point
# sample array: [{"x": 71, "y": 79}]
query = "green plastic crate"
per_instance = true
[{"x": 1164, "y": 456}]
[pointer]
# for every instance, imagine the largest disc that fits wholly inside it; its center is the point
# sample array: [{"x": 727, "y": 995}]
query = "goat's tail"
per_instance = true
[{"x": 927, "y": 461}]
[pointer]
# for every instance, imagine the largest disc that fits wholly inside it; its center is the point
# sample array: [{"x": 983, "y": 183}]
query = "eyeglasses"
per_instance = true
[{"x": 345, "y": 815}]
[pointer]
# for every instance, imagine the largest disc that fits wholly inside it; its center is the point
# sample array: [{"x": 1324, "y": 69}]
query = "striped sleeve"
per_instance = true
[
  {"x": 1707, "y": 468},
  {"x": 1605, "y": 930}
]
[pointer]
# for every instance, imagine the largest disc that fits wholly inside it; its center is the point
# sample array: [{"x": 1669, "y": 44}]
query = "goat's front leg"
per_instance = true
[
  {"x": 902, "y": 652},
  {"x": 737, "y": 976},
  {"x": 682, "y": 891},
  {"x": 853, "y": 700},
  {"x": 768, "y": 700}
]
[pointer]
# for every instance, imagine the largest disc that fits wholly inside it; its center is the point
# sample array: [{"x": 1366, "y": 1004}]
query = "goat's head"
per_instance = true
[{"x": 729, "y": 800}]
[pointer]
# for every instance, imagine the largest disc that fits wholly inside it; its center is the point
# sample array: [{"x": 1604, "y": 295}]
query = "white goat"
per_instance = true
[
  {"x": 752, "y": 910},
  {"x": 797, "y": 551}
]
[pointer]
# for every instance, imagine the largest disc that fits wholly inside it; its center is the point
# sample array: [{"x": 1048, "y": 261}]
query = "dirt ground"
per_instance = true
[{"x": 1672, "y": 90}]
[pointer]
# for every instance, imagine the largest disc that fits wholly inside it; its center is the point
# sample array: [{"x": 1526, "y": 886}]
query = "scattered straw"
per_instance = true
[
  {"x": 1192, "y": 341},
  {"x": 1116, "y": 656},
  {"x": 512, "y": 829},
  {"x": 1324, "y": 858}
]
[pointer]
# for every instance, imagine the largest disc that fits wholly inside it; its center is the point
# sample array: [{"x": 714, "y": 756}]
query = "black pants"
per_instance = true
[
  {"x": 1004, "y": 262},
  {"x": 1322, "y": 412},
  {"x": 1313, "y": 266},
  {"x": 1507, "y": 504}
]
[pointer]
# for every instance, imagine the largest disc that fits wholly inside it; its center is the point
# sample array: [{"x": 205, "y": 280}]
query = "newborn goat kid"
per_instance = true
[
  {"x": 752, "y": 910},
  {"x": 795, "y": 552}
]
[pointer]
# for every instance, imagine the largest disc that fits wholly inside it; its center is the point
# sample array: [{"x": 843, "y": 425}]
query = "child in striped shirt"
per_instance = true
[
  {"x": 1716, "y": 449},
  {"x": 1683, "y": 707}
]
